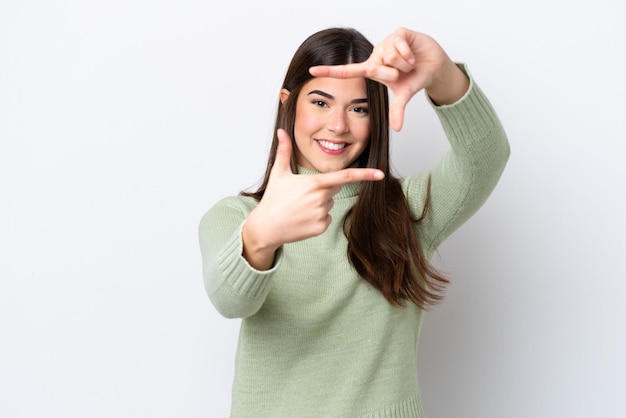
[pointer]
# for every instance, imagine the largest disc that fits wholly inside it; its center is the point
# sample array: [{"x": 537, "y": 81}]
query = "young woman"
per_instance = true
[{"x": 328, "y": 261}]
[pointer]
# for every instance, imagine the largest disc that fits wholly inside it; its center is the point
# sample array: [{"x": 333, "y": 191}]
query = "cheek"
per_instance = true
[
  {"x": 362, "y": 132},
  {"x": 306, "y": 123}
]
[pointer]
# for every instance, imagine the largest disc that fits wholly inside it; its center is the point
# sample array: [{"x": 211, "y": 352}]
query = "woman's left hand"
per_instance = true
[{"x": 406, "y": 62}]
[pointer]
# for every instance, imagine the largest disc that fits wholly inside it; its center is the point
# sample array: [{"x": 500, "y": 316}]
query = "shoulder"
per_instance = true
[
  {"x": 230, "y": 207},
  {"x": 244, "y": 203}
]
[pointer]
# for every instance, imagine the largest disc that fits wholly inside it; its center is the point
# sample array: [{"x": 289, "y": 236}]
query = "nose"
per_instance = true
[{"x": 337, "y": 122}]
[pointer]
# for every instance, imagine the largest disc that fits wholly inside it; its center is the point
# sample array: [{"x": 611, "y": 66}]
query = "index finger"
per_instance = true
[
  {"x": 340, "y": 71},
  {"x": 348, "y": 175},
  {"x": 377, "y": 72}
]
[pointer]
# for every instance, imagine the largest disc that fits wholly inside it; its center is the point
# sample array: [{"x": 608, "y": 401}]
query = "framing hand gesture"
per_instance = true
[{"x": 406, "y": 62}]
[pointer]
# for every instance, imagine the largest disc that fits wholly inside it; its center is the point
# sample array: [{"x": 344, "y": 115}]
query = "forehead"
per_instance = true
[{"x": 349, "y": 88}]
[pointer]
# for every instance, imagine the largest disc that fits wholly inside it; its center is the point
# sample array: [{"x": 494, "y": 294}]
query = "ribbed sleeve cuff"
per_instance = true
[
  {"x": 240, "y": 277},
  {"x": 472, "y": 116},
  {"x": 408, "y": 409}
]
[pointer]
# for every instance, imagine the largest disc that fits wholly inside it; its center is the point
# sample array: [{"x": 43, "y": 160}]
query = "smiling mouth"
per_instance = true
[{"x": 331, "y": 145}]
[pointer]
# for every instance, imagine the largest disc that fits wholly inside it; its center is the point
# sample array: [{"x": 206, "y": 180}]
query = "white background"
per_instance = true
[{"x": 122, "y": 122}]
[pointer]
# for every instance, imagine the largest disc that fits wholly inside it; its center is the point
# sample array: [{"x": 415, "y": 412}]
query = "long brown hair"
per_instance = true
[{"x": 382, "y": 241}]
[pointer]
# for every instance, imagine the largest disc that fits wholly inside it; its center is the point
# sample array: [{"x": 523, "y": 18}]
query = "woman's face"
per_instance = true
[{"x": 332, "y": 125}]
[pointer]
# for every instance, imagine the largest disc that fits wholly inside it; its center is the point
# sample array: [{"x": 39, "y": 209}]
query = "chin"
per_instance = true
[{"x": 331, "y": 168}]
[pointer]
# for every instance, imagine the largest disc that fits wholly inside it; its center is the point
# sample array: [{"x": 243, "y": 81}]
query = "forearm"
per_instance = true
[
  {"x": 470, "y": 170},
  {"x": 236, "y": 288}
]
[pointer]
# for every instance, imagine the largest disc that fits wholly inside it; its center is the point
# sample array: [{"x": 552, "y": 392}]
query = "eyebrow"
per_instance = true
[{"x": 331, "y": 97}]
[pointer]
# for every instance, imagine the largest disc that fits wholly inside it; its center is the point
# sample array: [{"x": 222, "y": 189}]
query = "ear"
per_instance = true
[{"x": 284, "y": 93}]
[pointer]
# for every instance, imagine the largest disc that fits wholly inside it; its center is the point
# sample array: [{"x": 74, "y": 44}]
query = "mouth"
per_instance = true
[{"x": 331, "y": 146}]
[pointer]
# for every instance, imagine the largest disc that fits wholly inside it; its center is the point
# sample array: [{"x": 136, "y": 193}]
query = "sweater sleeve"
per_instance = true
[
  {"x": 235, "y": 288},
  {"x": 469, "y": 171}
]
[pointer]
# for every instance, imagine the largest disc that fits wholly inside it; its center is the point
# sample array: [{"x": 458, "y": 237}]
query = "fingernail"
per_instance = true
[{"x": 379, "y": 175}]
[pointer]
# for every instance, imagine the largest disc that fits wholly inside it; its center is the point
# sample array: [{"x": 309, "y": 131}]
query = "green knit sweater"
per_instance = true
[{"x": 316, "y": 340}]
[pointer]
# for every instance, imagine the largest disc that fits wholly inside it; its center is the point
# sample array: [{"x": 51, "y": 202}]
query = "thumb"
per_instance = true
[
  {"x": 401, "y": 97},
  {"x": 396, "y": 113},
  {"x": 282, "y": 161}
]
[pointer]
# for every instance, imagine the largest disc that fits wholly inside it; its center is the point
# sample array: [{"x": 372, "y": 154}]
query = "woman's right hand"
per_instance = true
[{"x": 294, "y": 206}]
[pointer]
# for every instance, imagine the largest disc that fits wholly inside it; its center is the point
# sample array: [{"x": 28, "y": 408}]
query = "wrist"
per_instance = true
[
  {"x": 259, "y": 253},
  {"x": 450, "y": 86}
]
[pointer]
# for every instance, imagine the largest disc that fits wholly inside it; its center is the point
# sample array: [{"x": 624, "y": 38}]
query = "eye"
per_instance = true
[
  {"x": 361, "y": 110},
  {"x": 319, "y": 103}
]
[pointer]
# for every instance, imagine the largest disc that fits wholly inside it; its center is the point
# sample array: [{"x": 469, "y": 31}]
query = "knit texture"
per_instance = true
[{"x": 316, "y": 339}]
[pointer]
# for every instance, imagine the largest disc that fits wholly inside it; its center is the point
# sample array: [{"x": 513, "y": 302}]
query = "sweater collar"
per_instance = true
[{"x": 348, "y": 190}]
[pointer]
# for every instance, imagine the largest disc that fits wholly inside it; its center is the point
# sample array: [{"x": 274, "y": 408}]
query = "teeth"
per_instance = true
[{"x": 331, "y": 145}]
